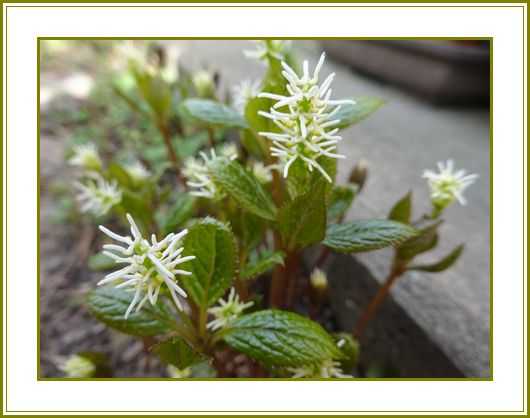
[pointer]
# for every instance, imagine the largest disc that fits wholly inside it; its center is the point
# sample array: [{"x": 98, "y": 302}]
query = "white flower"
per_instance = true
[
  {"x": 137, "y": 171},
  {"x": 204, "y": 83},
  {"x": 149, "y": 265},
  {"x": 243, "y": 92},
  {"x": 97, "y": 195},
  {"x": 326, "y": 369},
  {"x": 176, "y": 373},
  {"x": 227, "y": 311},
  {"x": 78, "y": 366},
  {"x": 307, "y": 120},
  {"x": 262, "y": 172},
  {"x": 273, "y": 48},
  {"x": 86, "y": 156},
  {"x": 448, "y": 185},
  {"x": 198, "y": 176},
  {"x": 318, "y": 279}
]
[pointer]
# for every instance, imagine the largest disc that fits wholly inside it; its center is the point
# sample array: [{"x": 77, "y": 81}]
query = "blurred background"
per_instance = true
[{"x": 436, "y": 97}]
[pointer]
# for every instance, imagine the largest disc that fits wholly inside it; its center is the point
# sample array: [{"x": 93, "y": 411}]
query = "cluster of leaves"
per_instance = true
[{"x": 255, "y": 228}]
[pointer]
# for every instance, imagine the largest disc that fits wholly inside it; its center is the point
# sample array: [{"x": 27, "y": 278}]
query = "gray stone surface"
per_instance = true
[{"x": 402, "y": 139}]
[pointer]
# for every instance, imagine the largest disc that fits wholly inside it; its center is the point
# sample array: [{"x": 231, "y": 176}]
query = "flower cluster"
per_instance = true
[
  {"x": 86, "y": 156},
  {"x": 448, "y": 185},
  {"x": 272, "y": 48},
  {"x": 327, "y": 369},
  {"x": 307, "y": 123},
  {"x": 197, "y": 174},
  {"x": 149, "y": 265},
  {"x": 97, "y": 195},
  {"x": 227, "y": 311},
  {"x": 243, "y": 92}
]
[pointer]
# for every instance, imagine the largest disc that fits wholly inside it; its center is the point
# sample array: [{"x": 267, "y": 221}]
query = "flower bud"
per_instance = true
[
  {"x": 86, "y": 156},
  {"x": 359, "y": 174},
  {"x": 204, "y": 83},
  {"x": 319, "y": 280},
  {"x": 78, "y": 366},
  {"x": 176, "y": 373}
]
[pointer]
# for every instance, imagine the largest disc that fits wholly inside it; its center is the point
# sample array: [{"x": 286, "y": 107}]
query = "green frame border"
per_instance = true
[{"x": 99, "y": 4}]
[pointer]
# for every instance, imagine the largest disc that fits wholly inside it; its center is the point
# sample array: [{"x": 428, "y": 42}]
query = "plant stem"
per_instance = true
[
  {"x": 291, "y": 274},
  {"x": 211, "y": 137},
  {"x": 166, "y": 136},
  {"x": 378, "y": 299},
  {"x": 278, "y": 276}
]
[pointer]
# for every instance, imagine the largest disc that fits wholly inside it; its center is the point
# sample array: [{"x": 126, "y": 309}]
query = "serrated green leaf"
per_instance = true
[
  {"x": 213, "y": 269},
  {"x": 249, "y": 228},
  {"x": 211, "y": 112},
  {"x": 341, "y": 200},
  {"x": 426, "y": 240},
  {"x": 137, "y": 206},
  {"x": 280, "y": 338},
  {"x": 366, "y": 235},
  {"x": 177, "y": 352},
  {"x": 441, "y": 265},
  {"x": 302, "y": 221},
  {"x": 261, "y": 263},
  {"x": 401, "y": 211},
  {"x": 100, "y": 262},
  {"x": 178, "y": 213},
  {"x": 350, "y": 114},
  {"x": 242, "y": 185},
  {"x": 109, "y": 305}
]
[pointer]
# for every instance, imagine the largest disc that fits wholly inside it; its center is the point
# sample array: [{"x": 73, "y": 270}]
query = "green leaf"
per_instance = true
[
  {"x": 109, "y": 305},
  {"x": 189, "y": 146},
  {"x": 300, "y": 179},
  {"x": 211, "y": 112},
  {"x": 441, "y": 265},
  {"x": 203, "y": 370},
  {"x": 351, "y": 349},
  {"x": 250, "y": 229},
  {"x": 242, "y": 185},
  {"x": 118, "y": 173},
  {"x": 261, "y": 263},
  {"x": 100, "y": 262},
  {"x": 366, "y": 235},
  {"x": 426, "y": 240},
  {"x": 213, "y": 269},
  {"x": 137, "y": 206},
  {"x": 178, "y": 213},
  {"x": 280, "y": 338},
  {"x": 401, "y": 211},
  {"x": 350, "y": 114},
  {"x": 177, "y": 352},
  {"x": 302, "y": 221},
  {"x": 341, "y": 200}
]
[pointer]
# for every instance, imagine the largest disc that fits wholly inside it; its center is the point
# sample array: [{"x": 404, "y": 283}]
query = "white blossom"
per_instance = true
[
  {"x": 86, "y": 156},
  {"x": 318, "y": 279},
  {"x": 197, "y": 174},
  {"x": 448, "y": 185},
  {"x": 148, "y": 265},
  {"x": 326, "y": 369},
  {"x": 306, "y": 119},
  {"x": 227, "y": 311},
  {"x": 273, "y": 48},
  {"x": 203, "y": 82},
  {"x": 137, "y": 171},
  {"x": 96, "y": 195},
  {"x": 77, "y": 367},
  {"x": 243, "y": 92},
  {"x": 263, "y": 173}
]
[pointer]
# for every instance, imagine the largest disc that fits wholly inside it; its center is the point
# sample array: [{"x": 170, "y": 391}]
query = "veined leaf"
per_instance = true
[
  {"x": 426, "y": 240},
  {"x": 401, "y": 211},
  {"x": 341, "y": 200},
  {"x": 178, "y": 213},
  {"x": 177, "y": 352},
  {"x": 109, "y": 305},
  {"x": 366, "y": 235},
  {"x": 280, "y": 338},
  {"x": 209, "y": 111},
  {"x": 242, "y": 185},
  {"x": 350, "y": 114},
  {"x": 261, "y": 263},
  {"x": 441, "y": 265},
  {"x": 213, "y": 269}
]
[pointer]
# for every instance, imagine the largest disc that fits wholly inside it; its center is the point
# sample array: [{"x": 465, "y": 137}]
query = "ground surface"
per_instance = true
[{"x": 402, "y": 139}]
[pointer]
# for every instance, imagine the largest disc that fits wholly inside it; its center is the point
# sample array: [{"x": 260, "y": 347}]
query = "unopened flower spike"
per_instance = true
[
  {"x": 448, "y": 185},
  {"x": 148, "y": 265},
  {"x": 326, "y": 369},
  {"x": 77, "y": 366},
  {"x": 86, "y": 156},
  {"x": 137, "y": 171},
  {"x": 227, "y": 311},
  {"x": 306, "y": 119},
  {"x": 96, "y": 195},
  {"x": 197, "y": 174},
  {"x": 318, "y": 279}
]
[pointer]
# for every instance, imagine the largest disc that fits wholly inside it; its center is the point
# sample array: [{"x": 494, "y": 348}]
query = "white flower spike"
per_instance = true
[
  {"x": 243, "y": 92},
  {"x": 148, "y": 265},
  {"x": 97, "y": 195},
  {"x": 327, "y": 369},
  {"x": 86, "y": 156},
  {"x": 227, "y": 311},
  {"x": 448, "y": 185},
  {"x": 198, "y": 177},
  {"x": 306, "y": 119}
]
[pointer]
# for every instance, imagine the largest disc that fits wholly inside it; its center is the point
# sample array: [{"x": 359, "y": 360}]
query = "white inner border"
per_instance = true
[{"x": 508, "y": 27}]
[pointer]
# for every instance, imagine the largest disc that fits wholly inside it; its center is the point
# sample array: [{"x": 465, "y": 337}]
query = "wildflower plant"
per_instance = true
[{"x": 203, "y": 249}]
